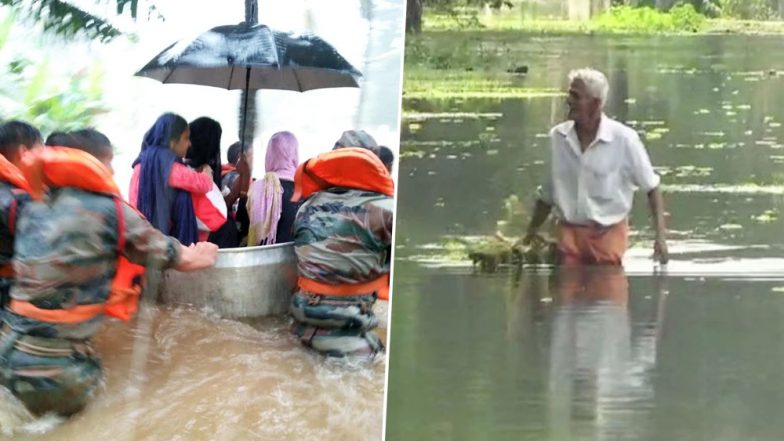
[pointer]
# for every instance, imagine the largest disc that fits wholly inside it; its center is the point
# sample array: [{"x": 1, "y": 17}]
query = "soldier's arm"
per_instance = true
[
  {"x": 145, "y": 245},
  {"x": 381, "y": 215}
]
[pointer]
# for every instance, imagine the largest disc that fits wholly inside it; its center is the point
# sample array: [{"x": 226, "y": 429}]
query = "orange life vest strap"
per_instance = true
[
  {"x": 123, "y": 300},
  {"x": 126, "y": 289},
  {"x": 77, "y": 314},
  {"x": 380, "y": 285},
  {"x": 7, "y": 271},
  {"x": 11, "y": 174}
]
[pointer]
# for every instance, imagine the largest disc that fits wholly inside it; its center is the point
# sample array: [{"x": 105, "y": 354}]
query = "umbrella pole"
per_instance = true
[{"x": 245, "y": 109}]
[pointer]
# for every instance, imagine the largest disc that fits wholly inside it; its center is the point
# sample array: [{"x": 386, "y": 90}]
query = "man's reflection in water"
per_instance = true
[{"x": 599, "y": 375}]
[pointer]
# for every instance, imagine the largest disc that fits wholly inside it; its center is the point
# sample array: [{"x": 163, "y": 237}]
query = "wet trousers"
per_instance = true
[
  {"x": 337, "y": 326},
  {"x": 49, "y": 375}
]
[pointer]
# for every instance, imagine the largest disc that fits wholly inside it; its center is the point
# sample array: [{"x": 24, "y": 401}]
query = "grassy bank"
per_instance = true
[
  {"x": 487, "y": 57},
  {"x": 620, "y": 20},
  {"x": 429, "y": 84}
]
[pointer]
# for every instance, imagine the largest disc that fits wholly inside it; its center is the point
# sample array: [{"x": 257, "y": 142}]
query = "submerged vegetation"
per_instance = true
[{"x": 506, "y": 246}]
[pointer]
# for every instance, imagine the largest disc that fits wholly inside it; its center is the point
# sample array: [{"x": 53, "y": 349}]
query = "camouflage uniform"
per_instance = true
[
  {"x": 341, "y": 236},
  {"x": 12, "y": 200},
  {"x": 65, "y": 255}
]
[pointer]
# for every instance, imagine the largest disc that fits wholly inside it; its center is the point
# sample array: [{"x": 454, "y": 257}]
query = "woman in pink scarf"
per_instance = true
[{"x": 269, "y": 199}]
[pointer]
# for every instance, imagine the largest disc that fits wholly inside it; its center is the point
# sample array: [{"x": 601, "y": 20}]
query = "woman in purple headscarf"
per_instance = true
[{"x": 269, "y": 199}]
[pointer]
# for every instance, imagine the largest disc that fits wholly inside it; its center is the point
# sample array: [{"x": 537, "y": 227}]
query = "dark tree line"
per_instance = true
[{"x": 414, "y": 9}]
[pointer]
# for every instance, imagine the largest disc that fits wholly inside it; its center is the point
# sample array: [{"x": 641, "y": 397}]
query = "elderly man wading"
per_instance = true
[{"x": 596, "y": 165}]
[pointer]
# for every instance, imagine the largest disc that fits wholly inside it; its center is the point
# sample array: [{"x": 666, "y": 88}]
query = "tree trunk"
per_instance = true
[
  {"x": 248, "y": 120},
  {"x": 599, "y": 7},
  {"x": 579, "y": 10},
  {"x": 413, "y": 16}
]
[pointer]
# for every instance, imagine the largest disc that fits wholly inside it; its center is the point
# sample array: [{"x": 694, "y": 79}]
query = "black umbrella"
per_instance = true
[{"x": 252, "y": 57}]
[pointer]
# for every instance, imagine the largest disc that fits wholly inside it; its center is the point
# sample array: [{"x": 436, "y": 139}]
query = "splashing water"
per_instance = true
[{"x": 177, "y": 373}]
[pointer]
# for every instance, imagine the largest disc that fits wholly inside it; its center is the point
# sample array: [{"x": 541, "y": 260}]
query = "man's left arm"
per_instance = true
[
  {"x": 656, "y": 204},
  {"x": 647, "y": 180}
]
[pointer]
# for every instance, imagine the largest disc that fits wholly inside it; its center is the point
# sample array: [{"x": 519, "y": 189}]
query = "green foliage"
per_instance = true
[
  {"x": 749, "y": 9},
  {"x": 453, "y": 4},
  {"x": 32, "y": 93},
  {"x": 66, "y": 20},
  {"x": 461, "y": 14},
  {"x": 648, "y": 20}
]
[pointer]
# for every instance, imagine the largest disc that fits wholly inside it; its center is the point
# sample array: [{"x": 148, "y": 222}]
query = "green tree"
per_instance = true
[
  {"x": 415, "y": 8},
  {"x": 64, "y": 19},
  {"x": 32, "y": 93}
]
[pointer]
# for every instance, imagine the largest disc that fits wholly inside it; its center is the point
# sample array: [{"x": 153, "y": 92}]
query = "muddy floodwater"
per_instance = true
[{"x": 183, "y": 374}]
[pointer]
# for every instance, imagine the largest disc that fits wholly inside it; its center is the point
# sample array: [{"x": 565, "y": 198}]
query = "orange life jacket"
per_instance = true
[
  {"x": 66, "y": 167},
  {"x": 350, "y": 167},
  {"x": 380, "y": 286},
  {"x": 11, "y": 174}
]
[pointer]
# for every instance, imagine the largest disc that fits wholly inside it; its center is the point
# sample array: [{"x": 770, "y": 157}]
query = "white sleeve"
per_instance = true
[{"x": 642, "y": 173}]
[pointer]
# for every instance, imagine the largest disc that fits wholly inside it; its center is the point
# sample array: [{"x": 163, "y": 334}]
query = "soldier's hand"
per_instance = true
[
  {"x": 208, "y": 251},
  {"x": 199, "y": 256}
]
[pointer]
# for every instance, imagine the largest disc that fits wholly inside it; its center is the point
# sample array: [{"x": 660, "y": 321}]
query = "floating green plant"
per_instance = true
[{"x": 766, "y": 217}]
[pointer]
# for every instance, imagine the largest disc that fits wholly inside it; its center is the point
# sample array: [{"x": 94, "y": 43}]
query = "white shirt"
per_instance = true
[{"x": 597, "y": 185}]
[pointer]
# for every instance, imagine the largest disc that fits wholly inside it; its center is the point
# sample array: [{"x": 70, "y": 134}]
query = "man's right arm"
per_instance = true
[
  {"x": 542, "y": 207},
  {"x": 541, "y": 212},
  {"x": 145, "y": 245}
]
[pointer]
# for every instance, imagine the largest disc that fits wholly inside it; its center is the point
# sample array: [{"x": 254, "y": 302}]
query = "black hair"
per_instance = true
[
  {"x": 92, "y": 141},
  {"x": 89, "y": 140},
  {"x": 176, "y": 128},
  {"x": 387, "y": 156},
  {"x": 233, "y": 155},
  {"x": 16, "y": 133},
  {"x": 205, "y": 146},
  {"x": 59, "y": 139}
]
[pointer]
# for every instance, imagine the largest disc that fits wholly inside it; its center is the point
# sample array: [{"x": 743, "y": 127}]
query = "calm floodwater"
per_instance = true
[
  {"x": 674, "y": 359},
  {"x": 489, "y": 357}
]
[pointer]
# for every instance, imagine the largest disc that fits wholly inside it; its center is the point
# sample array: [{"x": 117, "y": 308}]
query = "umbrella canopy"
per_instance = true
[{"x": 252, "y": 57}]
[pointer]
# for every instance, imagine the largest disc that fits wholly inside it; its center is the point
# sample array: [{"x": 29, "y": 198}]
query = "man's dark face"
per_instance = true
[{"x": 582, "y": 106}]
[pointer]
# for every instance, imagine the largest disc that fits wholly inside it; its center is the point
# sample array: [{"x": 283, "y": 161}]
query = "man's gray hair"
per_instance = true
[{"x": 595, "y": 82}]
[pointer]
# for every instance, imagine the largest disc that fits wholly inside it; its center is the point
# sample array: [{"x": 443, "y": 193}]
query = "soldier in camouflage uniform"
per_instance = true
[
  {"x": 65, "y": 259},
  {"x": 342, "y": 236},
  {"x": 16, "y": 138}
]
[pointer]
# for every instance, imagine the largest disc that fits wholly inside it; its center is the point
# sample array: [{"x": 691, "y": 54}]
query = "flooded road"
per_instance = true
[{"x": 180, "y": 374}]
